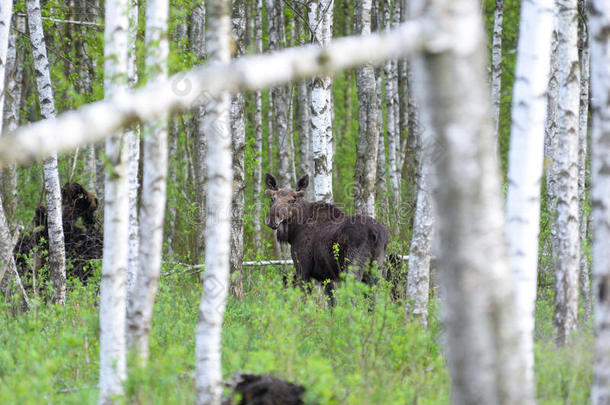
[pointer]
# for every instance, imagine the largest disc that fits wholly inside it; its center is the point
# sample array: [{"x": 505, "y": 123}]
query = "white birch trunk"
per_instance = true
[
  {"x": 116, "y": 213},
  {"x": 365, "y": 174},
  {"x": 154, "y": 186},
  {"x": 382, "y": 188},
  {"x": 420, "y": 252},
  {"x": 391, "y": 85},
  {"x": 238, "y": 136},
  {"x": 132, "y": 137},
  {"x": 583, "y": 120},
  {"x": 258, "y": 133},
  {"x": 599, "y": 40},
  {"x": 567, "y": 262},
  {"x": 186, "y": 90},
  {"x": 477, "y": 308},
  {"x": 12, "y": 106},
  {"x": 208, "y": 376},
  {"x": 320, "y": 17},
  {"x": 57, "y": 256},
  {"x": 6, "y": 10},
  {"x": 303, "y": 120},
  {"x": 496, "y": 65},
  {"x": 525, "y": 166}
]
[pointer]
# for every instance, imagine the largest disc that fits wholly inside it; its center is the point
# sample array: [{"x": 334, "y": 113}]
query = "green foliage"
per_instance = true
[{"x": 353, "y": 353}]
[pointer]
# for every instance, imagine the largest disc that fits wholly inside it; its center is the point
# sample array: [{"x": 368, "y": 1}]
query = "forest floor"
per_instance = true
[{"x": 350, "y": 354}]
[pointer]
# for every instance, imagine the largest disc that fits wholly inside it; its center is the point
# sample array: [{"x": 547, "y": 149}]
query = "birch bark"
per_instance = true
[
  {"x": 132, "y": 137},
  {"x": 496, "y": 65},
  {"x": 12, "y": 104},
  {"x": 320, "y": 19},
  {"x": 303, "y": 120},
  {"x": 154, "y": 186},
  {"x": 525, "y": 168},
  {"x": 6, "y": 10},
  {"x": 238, "y": 130},
  {"x": 567, "y": 262},
  {"x": 599, "y": 42},
  {"x": 477, "y": 308},
  {"x": 57, "y": 256},
  {"x": 368, "y": 125},
  {"x": 116, "y": 214},
  {"x": 208, "y": 377},
  {"x": 258, "y": 132}
]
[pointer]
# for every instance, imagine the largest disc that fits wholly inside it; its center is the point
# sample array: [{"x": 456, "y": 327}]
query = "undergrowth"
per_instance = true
[{"x": 357, "y": 352}]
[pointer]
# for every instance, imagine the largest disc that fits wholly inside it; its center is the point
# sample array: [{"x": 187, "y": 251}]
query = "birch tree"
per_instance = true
[
  {"x": 6, "y": 9},
  {"x": 303, "y": 119},
  {"x": 208, "y": 374},
  {"x": 320, "y": 19},
  {"x": 57, "y": 256},
  {"x": 420, "y": 252},
  {"x": 258, "y": 132},
  {"x": 116, "y": 213},
  {"x": 525, "y": 168},
  {"x": 496, "y": 64},
  {"x": 477, "y": 308},
  {"x": 599, "y": 40},
  {"x": 12, "y": 104},
  {"x": 567, "y": 262},
  {"x": 238, "y": 132},
  {"x": 132, "y": 137},
  {"x": 368, "y": 125},
  {"x": 583, "y": 122},
  {"x": 154, "y": 186}
]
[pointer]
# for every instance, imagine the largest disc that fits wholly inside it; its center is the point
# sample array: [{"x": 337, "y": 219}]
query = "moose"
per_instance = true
[{"x": 324, "y": 241}]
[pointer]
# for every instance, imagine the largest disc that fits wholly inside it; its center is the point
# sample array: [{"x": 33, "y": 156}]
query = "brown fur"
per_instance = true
[{"x": 324, "y": 241}]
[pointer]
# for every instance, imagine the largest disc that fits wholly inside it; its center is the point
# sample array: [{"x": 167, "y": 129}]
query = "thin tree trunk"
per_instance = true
[
  {"x": 14, "y": 86},
  {"x": 365, "y": 174},
  {"x": 478, "y": 310},
  {"x": 320, "y": 17},
  {"x": 525, "y": 168},
  {"x": 496, "y": 65},
  {"x": 132, "y": 137},
  {"x": 258, "y": 134},
  {"x": 6, "y": 9},
  {"x": 599, "y": 40},
  {"x": 567, "y": 263},
  {"x": 154, "y": 189},
  {"x": 238, "y": 130},
  {"x": 382, "y": 188},
  {"x": 57, "y": 256},
  {"x": 197, "y": 44},
  {"x": 208, "y": 377},
  {"x": 303, "y": 121},
  {"x": 420, "y": 252},
  {"x": 583, "y": 120},
  {"x": 116, "y": 214}
]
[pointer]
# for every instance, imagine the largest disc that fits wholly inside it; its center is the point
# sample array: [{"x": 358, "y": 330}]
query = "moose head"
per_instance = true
[{"x": 286, "y": 203}]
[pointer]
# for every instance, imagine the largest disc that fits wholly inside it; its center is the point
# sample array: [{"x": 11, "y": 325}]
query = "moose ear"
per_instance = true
[
  {"x": 270, "y": 182},
  {"x": 303, "y": 183}
]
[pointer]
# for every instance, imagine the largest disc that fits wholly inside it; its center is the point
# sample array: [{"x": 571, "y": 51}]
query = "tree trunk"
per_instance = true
[
  {"x": 6, "y": 9},
  {"x": 258, "y": 134},
  {"x": 154, "y": 186},
  {"x": 320, "y": 17},
  {"x": 382, "y": 188},
  {"x": 57, "y": 256},
  {"x": 599, "y": 40},
  {"x": 477, "y": 308},
  {"x": 583, "y": 120},
  {"x": 420, "y": 252},
  {"x": 303, "y": 121},
  {"x": 525, "y": 168},
  {"x": 116, "y": 213},
  {"x": 197, "y": 44},
  {"x": 365, "y": 174},
  {"x": 12, "y": 103},
  {"x": 496, "y": 66},
  {"x": 208, "y": 377},
  {"x": 567, "y": 262},
  {"x": 132, "y": 137},
  {"x": 238, "y": 130}
]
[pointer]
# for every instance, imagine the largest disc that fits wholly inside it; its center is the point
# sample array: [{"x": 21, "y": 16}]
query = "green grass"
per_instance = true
[{"x": 354, "y": 353}]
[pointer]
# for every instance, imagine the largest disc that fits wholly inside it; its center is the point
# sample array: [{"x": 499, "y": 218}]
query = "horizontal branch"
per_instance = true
[
  {"x": 182, "y": 91},
  {"x": 73, "y": 22}
]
